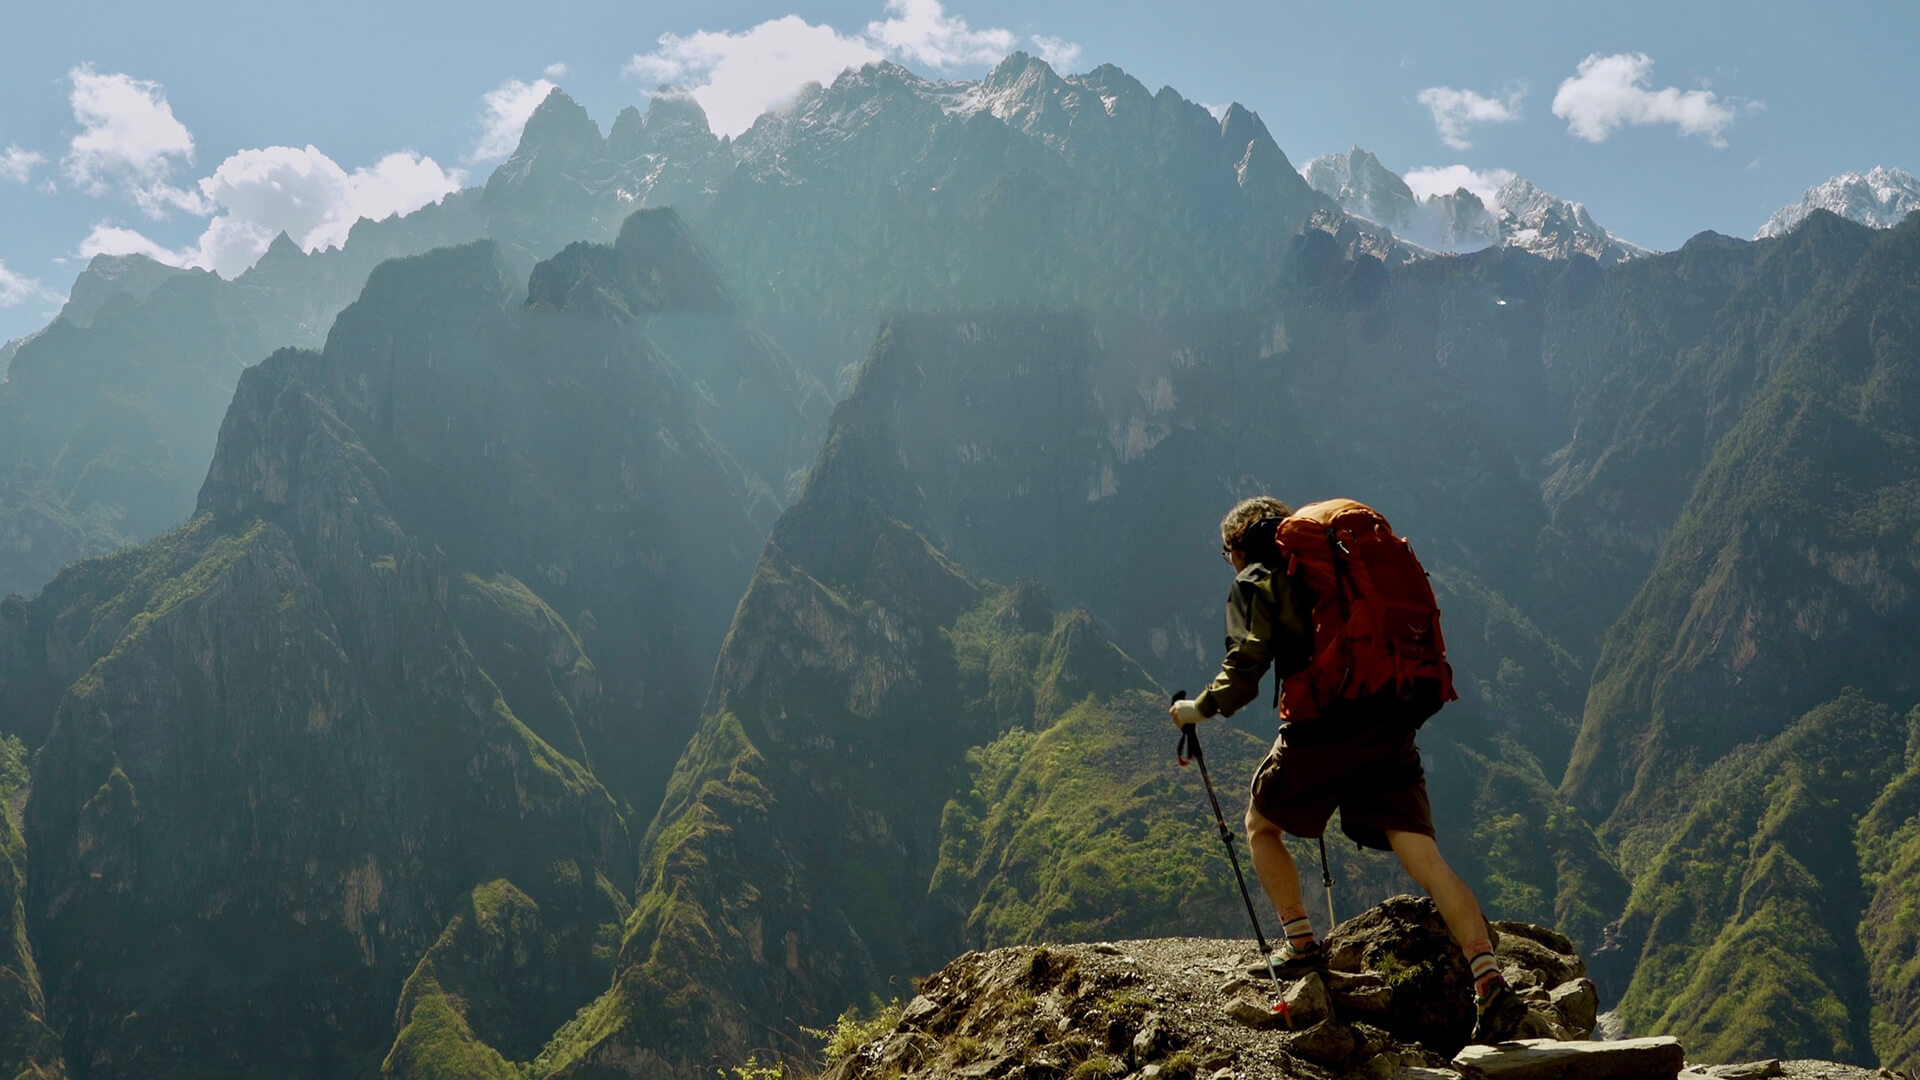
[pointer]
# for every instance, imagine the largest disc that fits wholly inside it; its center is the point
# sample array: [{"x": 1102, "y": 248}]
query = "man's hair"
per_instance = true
[{"x": 1233, "y": 527}]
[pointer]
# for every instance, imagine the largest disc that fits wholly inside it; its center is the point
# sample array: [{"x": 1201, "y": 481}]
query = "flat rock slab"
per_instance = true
[
  {"x": 1747, "y": 1070},
  {"x": 1416, "y": 1072},
  {"x": 1546, "y": 1059}
]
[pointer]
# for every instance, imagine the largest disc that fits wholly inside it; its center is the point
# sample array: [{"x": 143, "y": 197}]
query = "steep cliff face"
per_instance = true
[
  {"x": 1889, "y": 845},
  {"x": 1790, "y": 572},
  {"x": 29, "y": 1048},
  {"x": 1746, "y": 912},
  {"x": 268, "y": 732}
]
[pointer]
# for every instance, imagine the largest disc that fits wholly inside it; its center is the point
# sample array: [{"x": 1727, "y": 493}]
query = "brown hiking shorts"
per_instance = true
[{"x": 1371, "y": 774}]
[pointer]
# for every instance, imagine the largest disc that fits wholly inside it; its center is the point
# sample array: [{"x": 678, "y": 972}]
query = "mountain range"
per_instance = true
[{"x": 545, "y": 677}]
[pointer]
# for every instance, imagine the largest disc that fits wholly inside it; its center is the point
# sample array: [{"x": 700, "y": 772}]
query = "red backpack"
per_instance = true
[{"x": 1376, "y": 625}]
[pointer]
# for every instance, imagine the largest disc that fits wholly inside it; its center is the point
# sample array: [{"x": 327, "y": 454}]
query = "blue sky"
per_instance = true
[{"x": 196, "y": 130}]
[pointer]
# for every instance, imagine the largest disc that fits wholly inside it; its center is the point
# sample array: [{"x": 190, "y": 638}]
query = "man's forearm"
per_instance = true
[{"x": 1237, "y": 684}]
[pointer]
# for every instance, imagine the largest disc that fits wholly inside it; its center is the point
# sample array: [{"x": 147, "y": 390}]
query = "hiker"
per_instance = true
[{"x": 1357, "y": 754}]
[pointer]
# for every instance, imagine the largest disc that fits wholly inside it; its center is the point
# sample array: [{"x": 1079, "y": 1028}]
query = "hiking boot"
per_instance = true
[
  {"x": 1290, "y": 962},
  {"x": 1497, "y": 1016}
]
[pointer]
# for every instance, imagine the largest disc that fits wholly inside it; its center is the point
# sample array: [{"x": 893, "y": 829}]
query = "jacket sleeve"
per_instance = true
[{"x": 1266, "y": 627}]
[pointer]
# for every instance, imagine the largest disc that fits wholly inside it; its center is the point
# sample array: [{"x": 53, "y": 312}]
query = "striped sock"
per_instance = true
[
  {"x": 1298, "y": 928},
  {"x": 1485, "y": 970}
]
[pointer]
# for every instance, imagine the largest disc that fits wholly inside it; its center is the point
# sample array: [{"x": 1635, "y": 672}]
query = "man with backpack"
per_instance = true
[{"x": 1340, "y": 609}]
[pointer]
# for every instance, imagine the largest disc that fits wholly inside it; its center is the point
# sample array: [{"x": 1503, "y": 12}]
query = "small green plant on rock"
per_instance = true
[
  {"x": 1393, "y": 970},
  {"x": 1099, "y": 1067},
  {"x": 753, "y": 1070},
  {"x": 1124, "y": 1002},
  {"x": 1180, "y": 1066},
  {"x": 855, "y": 1028}
]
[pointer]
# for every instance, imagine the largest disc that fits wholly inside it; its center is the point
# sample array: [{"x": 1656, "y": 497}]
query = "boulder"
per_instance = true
[
  {"x": 1307, "y": 1001},
  {"x": 1328, "y": 1042},
  {"x": 1252, "y": 1012},
  {"x": 1578, "y": 1003}
]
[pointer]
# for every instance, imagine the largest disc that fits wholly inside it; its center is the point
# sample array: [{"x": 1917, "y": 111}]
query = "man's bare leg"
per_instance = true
[
  {"x": 1272, "y": 863},
  {"x": 1421, "y": 858}
]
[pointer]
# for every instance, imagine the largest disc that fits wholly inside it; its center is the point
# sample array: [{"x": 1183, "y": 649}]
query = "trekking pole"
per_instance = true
[
  {"x": 1189, "y": 750},
  {"x": 1326, "y": 879}
]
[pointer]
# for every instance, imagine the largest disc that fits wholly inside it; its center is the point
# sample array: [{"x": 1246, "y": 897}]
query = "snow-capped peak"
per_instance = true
[
  {"x": 1457, "y": 209},
  {"x": 1880, "y": 197}
]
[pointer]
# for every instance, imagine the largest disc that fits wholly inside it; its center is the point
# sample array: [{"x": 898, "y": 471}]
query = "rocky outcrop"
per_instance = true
[{"x": 1396, "y": 1000}]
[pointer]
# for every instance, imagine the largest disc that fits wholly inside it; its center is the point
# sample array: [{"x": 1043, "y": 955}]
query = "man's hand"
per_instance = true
[{"x": 1185, "y": 712}]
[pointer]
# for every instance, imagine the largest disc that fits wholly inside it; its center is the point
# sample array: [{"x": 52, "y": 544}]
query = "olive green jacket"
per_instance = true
[{"x": 1269, "y": 624}]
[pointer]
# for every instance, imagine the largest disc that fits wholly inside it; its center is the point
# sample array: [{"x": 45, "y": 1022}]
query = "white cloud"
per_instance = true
[
  {"x": 108, "y": 239},
  {"x": 736, "y": 76},
  {"x": 302, "y": 192},
  {"x": 1059, "y": 53},
  {"x": 17, "y": 289},
  {"x": 1613, "y": 90},
  {"x": 1429, "y": 181},
  {"x": 17, "y": 164},
  {"x": 1453, "y": 110},
  {"x": 507, "y": 107},
  {"x": 557, "y": 71},
  {"x": 921, "y": 31},
  {"x": 307, "y": 195},
  {"x": 129, "y": 141}
]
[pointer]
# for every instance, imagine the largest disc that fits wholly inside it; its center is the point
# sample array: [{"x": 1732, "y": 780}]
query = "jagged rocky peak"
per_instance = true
[
  {"x": 659, "y": 248},
  {"x": 1363, "y": 187},
  {"x": 561, "y": 123},
  {"x": 627, "y": 137},
  {"x": 1017, "y": 88},
  {"x": 1021, "y": 69},
  {"x": 674, "y": 125},
  {"x": 674, "y": 111},
  {"x": 110, "y": 275},
  {"x": 280, "y": 252},
  {"x": 654, "y": 265},
  {"x": 1113, "y": 80},
  {"x": 1547, "y": 225},
  {"x": 1880, "y": 198}
]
